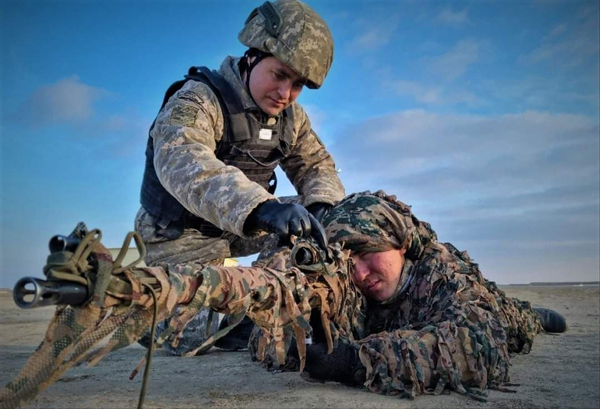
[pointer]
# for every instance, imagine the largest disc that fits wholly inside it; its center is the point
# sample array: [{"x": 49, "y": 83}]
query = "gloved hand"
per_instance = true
[
  {"x": 282, "y": 219},
  {"x": 318, "y": 210},
  {"x": 342, "y": 365}
]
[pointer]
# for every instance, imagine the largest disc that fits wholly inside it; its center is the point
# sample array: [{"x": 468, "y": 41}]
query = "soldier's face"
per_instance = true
[
  {"x": 274, "y": 86},
  {"x": 377, "y": 274}
]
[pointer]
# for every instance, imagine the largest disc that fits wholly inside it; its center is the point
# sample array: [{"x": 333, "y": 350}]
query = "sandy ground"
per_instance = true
[{"x": 562, "y": 371}]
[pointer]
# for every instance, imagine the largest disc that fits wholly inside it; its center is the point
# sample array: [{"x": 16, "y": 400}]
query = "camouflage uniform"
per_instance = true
[
  {"x": 446, "y": 325},
  {"x": 190, "y": 126},
  {"x": 186, "y": 134}
]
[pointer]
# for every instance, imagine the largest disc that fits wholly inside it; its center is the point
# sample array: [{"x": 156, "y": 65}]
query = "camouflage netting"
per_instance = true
[{"x": 275, "y": 296}]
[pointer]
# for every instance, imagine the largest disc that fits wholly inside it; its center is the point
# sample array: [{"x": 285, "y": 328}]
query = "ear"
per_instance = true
[{"x": 402, "y": 251}]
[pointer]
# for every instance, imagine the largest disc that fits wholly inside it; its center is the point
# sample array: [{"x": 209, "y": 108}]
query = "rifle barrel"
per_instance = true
[{"x": 30, "y": 292}]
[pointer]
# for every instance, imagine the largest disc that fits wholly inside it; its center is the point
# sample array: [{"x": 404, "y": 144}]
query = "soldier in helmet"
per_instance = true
[
  {"x": 209, "y": 182},
  {"x": 430, "y": 321}
]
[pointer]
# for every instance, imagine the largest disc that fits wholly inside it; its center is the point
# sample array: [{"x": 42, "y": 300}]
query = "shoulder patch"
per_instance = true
[{"x": 184, "y": 115}]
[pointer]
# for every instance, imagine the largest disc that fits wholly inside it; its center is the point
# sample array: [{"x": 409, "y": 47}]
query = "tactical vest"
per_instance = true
[{"x": 253, "y": 147}]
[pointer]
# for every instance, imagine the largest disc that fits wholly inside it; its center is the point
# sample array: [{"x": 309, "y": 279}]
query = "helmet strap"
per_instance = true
[
  {"x": 258, "y": 56},
  {"x": 246, "y": 68}
]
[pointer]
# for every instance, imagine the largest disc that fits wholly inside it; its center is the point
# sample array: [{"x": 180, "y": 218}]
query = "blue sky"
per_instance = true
[{"x": 481, "y": 115}]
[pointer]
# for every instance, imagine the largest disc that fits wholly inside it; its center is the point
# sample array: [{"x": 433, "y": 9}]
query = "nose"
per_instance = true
[
  {"x": 361, "y": 271},
  {"x": 285, "y": 90}
]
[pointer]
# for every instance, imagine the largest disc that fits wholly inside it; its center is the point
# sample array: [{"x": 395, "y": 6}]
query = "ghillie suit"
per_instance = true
[
  {"x": 446, "y": 326},
  {"x": 124, "y": 302}
]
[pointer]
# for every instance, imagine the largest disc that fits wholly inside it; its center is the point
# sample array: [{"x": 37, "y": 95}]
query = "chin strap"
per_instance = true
[{"x": 246, "y": 68}]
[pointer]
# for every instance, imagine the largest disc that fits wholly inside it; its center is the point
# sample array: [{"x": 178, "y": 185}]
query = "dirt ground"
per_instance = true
[{"x": 562, "y": 371}]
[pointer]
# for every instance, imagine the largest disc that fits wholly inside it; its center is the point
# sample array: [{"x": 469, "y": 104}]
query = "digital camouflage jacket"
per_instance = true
[{"x": 186, "y": 134}]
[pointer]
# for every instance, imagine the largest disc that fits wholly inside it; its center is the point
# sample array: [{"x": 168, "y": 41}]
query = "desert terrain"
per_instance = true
[{"x": 562, "y": 371}]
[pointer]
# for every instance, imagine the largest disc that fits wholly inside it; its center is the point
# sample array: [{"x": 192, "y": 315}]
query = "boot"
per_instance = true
[
  {"x": 552, "y": 321},
  {"x": 238, "y": 337}
]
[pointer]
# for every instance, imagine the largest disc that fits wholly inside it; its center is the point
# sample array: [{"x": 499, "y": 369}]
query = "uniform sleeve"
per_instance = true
[
  {"x": 185, "y": 135},
  {"x": 310, "y": 167},
  {"x": 458, "y": 340}
]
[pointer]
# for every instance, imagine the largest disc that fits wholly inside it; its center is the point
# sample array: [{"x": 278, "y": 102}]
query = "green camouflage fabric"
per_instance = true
[
  {"x": 186, "y": 134},
  {"x": 304, "y": 42},
  {"x": 278, "y": 295},
  {"x": 446, "y": 326},
  {"x": 118, "y": 312},
  {"x": 366, "y": 223},
  {"x": 194, "y": 247}
]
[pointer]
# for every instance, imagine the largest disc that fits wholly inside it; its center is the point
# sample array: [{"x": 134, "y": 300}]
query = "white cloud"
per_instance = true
[
  {"x": 506, "y": 156},
  {"x": 371, "y": 38},
  {"x": 569, "y": 45},
  {"x": 123, "y": 135},
  {"x": 72, "y": 104},
  {"x": 588, "y": 10},
  {"x": 531, "y": 177},
  {"x": 557, "y": 31},
  {"x": 435, "y": 95},
  {"x": 427, "y": 95},
  {"x": 454, "y": 63},
  {"x": 449, "y": 16},
  {"x": 67, "y": 101},
  {"x": 572, "y": 51},
  {"x": 317, "y": 116},
  {"x": 342, "y": 14}
]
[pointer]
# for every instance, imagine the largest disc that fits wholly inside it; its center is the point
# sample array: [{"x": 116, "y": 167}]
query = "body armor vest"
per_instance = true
[{"x": 247, "y": 144}]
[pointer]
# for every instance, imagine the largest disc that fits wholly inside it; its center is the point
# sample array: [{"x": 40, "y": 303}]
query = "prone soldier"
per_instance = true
[
  {"x": 430, "y": 320},
  {"x": 385, "y": 304}
]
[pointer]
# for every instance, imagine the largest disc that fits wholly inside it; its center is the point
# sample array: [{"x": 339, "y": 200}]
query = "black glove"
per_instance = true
[
  {"x": 318, "y": 210},
  {"x": 342, "y": 365},
  {"x": 282, "y": 219}
]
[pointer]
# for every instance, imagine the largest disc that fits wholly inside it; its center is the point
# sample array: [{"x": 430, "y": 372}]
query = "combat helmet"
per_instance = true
[{"x": 294, "y": 34}]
